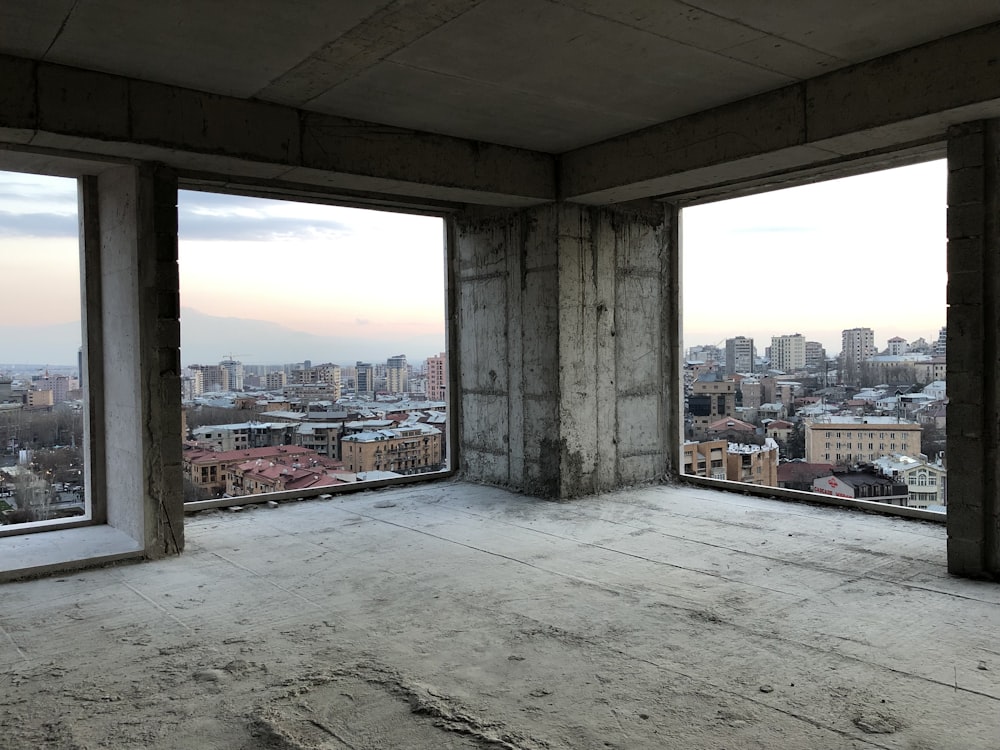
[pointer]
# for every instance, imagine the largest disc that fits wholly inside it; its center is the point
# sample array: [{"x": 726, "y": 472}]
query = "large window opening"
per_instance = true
[
  {"x": 313, "y": 347},
  {"x": 814, "y": 338},
  {"x": 42, "y": 393}
]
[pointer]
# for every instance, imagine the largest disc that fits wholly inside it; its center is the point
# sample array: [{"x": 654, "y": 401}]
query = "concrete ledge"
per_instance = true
[
  {"x": 67, "y": 549},
  {"x": 778, "y": 493},
  {"x": 353, "y": 487}
]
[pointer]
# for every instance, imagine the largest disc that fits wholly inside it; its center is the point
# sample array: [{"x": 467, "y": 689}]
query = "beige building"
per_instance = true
[
  {"x": 322, "y": 437},
  {"x": 711, "y": 399},
  {"x": 209, "y": 470},
  {"x": 930, "y": 370},
  {"x": 788, "y": 352},
  {"x": 324, "y": 378},
  {"x": 437, "y": 377},
  {"x": 397, "y": 374},
  {"x": 275, "y": 380},
  {"x": 705, "y": 459},
  {"x": 413, "y": 449},
  {"x": 735, "y": 462},
  {"x": 753, "y": 464},
  {"x": 844, "y": 441},
  {"x": 40, "y": 399}
]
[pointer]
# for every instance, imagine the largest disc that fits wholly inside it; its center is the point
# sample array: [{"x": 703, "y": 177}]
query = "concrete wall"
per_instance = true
[
  {"x": 565, "y": 334},
  {"x": 973, "y": 357},
  {"x": 139, "y": 377}
]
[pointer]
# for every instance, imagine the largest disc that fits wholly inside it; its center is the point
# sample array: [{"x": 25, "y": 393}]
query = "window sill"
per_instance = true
[{"x": 66, "y": 549}]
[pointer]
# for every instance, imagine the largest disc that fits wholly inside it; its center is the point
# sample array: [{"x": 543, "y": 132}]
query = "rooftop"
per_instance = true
[{"x": 653, "y": 618}]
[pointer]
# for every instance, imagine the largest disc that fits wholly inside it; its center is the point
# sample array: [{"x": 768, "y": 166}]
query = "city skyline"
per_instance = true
[
  {"x": 859, "y": 252},
  {"x": 375, "y": 280},
  {"x": 342, "y": 282}
]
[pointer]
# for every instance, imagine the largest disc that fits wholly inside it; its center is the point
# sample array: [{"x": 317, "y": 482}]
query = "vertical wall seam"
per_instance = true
[{"x": 991, "y": 377}]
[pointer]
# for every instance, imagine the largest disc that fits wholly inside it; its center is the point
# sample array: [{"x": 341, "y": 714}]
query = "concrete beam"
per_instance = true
[
  {"x": 907, "y": 99},
  {"x": 59, "y": 108}
]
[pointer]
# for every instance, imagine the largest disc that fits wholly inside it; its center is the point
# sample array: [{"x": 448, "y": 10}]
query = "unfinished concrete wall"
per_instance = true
[
  {"x": 973, "y": 357},
  {"x": 564, "y": 341},
  {"x": 140, "y": 337},
  {"x": 507, "y": 348}
]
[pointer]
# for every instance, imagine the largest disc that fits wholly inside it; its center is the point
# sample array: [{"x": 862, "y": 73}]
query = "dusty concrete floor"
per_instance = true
[{"x": 466, "y": 617}]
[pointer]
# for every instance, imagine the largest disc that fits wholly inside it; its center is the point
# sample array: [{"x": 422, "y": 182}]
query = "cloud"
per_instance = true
[
  {"x": 214, "y": 216},
  {"x": 195, "y": 226},
  {"x": 23, "y": 191},
  {"x": 771, "y": 229},
  {"x": 38, "y": 224}
]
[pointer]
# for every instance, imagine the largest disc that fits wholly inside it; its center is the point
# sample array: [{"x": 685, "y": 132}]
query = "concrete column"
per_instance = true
[
  {"x": 138, "y": 373},
  {"x": 973, "y": 356},
  {"x": 565, "y": 358}
]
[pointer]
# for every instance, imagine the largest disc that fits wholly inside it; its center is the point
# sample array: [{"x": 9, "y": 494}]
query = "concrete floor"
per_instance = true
[{"x": 451, "y": 615}]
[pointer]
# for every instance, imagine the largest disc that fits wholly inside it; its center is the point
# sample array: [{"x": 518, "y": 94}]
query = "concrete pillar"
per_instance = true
[
  {"x": 566, "y": 329},
  {"x": 973, "y": 357},
  {"x": 133, "y": 352}
]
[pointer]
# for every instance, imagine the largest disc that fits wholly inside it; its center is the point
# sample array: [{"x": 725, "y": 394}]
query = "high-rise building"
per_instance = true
[
  {"x": 897, "y": 346},
  {"x": 788, "y": 352},
  {"x": 396, "y": 374},
  {"x": 437, "y": 377},
  {"x": 739, "y": 355},
  {"x": 364, "y": 378},
  {"x": 941, "y": 347},
  {"x": 275, "y": 380},
  {"x": 233, "y": 375},
  {"x": 857, "y": 346},
  {"x": 815, "y": 356}
]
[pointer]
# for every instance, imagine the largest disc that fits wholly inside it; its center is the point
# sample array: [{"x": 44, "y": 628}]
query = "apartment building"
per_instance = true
[
  {"x": 706, "y": 458},
  {"x": 753, "y": 464},
  {"x": 230, "y": 437},
  {"x": 788, "y": 352},
  {"x": 845, "y": 440},
  {"x": 857, "y": 346},
  {"x": 437, "y": 377},
  {"x": 926, "y": 482},
  {"x": 397, "y": 374},
  {"x": 413, "y": 449},
  {"x": 739, "y": 355},
  {"x": 711, "y": 399},
  {"x": 208, "y": 470}
]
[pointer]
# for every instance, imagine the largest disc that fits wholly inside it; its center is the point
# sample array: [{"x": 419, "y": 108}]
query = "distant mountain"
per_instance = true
[
  {"x": 56, "y": 344},
  {"x": 207, "y": 339}
]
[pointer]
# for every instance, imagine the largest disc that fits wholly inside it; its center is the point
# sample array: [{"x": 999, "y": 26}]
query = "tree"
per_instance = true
[
  {"x": 795, "y": 446},
  {"x": 193, "y": 492},
  {"x": 932, "y": 440}
]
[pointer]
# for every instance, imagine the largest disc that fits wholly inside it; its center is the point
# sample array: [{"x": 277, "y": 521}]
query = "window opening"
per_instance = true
[
  {"x": 820, "y": 312},
  {"x": 313, "y": 346},
  {"x": 42, "y": 394}
]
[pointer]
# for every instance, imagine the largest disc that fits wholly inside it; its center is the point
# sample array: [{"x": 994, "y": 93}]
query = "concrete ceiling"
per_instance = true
[{"x": 546, "y": 75}]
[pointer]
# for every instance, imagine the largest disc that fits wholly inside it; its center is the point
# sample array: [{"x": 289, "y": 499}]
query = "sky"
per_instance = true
[
  {"x": 267, "y": 281},
  {"x": 274, "y": 281},
  {"x": 859, "y": 252}
]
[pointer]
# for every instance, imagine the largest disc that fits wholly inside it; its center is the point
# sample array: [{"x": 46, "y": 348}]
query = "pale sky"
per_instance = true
[
  {"x": 373, "y": 279},
  {"x": 346, "y": 284},
  {"x": 865, "y": 251}
]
